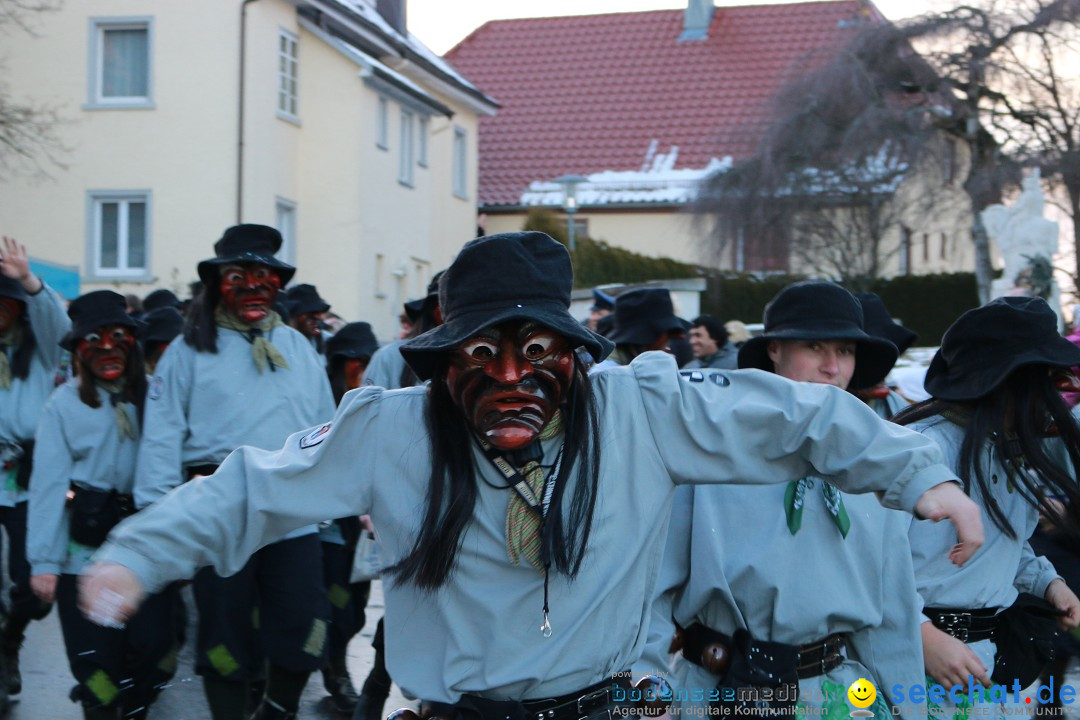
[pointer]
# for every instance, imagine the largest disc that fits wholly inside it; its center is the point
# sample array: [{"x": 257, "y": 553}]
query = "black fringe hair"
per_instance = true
[
  {"x": 24, "y": 353},
  {"x": 134, "y": 390},
  {"x": 200, "y": 329},
  {"x": 1014, "y": 418},
  {"x": 453, "y": 490}
]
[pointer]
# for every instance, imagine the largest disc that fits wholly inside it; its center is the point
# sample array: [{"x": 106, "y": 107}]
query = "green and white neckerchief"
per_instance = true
[
  {"x": 11, "y": 339},
  {"x": 262, "y": 350},
  {"x": 795, "y": 496},
  {"x": 125, "y": 424}
]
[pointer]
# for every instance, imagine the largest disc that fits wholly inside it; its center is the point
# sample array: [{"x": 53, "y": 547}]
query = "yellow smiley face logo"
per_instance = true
[{"x": 862, "y": 693}]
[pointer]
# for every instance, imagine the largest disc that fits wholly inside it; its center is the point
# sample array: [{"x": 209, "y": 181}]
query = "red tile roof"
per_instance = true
[{"x": 589, "y": 93}]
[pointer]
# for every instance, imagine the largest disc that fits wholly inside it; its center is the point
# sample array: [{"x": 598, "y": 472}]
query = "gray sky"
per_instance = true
[{"x": 440, "y": 24}]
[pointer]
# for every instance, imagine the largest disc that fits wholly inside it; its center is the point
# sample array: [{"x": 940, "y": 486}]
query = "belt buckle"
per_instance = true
[
  {"x": 957, "y": 624},
  {"x": 582, "y": 713}
]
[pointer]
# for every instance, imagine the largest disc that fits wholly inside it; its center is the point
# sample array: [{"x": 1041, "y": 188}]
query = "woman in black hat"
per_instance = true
[
  {"x": 797, "y": 585},
  {"x": 86, "y": 447},
  {"x": 32, "y": 324},
  {"x": 885, "y": 401},
  {"x": 306, "y": 308},
  {"x": 645, "y": 320},
  {"x": 998, "y": 416}
]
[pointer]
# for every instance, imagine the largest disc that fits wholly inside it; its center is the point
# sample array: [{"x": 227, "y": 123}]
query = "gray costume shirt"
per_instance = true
[
  {"x": 386, "y": 365},
  {"x": 480, "y": 633},
  {"x": 80, "y": 444},
  {"x": 741, "y": 567},
  {"x": 201, "y": 406},
  {"x": 21, "y": 404},
  {"x": 1003, "y": 566}
]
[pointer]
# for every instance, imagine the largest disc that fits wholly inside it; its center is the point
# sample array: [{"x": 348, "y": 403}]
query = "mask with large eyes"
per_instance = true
[
  {"x": 248, "y": 291},
  {"x": 106, "y": 350},
  {"x": 509, "y": 381},
  {"x": 10, "y": 310}
]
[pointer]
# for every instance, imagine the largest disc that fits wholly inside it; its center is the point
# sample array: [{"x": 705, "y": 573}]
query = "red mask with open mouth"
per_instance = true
[
  {"x": 10, "y": 310},
  {"x": 307, "y": 324},
  {"x": 106, "y": 350},
  {"x": 248, "y": 291},
  {"x": 509, "y": 380}
]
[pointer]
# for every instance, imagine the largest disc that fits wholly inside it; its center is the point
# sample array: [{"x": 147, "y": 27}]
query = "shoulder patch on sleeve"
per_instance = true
[
  {"x": 156, "y": 389},
  {"x": 314, "y": 437}
]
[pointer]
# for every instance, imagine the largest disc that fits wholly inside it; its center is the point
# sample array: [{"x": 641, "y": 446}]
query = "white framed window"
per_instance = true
[
  {"x": 118, "y": 235},
  {"x": 422, "y": 141},
  {"x": 120, "y": 67},
  {"x": 285, "y": 222},
  {"x": 407, "y": 154},
  {"x": 288, "y": 46},
  {"x": 460, "y": 168},
  {"x": 382, "y": 123}
]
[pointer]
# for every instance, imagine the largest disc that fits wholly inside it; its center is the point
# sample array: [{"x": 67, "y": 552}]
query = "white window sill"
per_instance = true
[
  {"x": 119, "y": 278},
  {"x": 291, "y": 119},
  {"x": 124, "y": 105}
]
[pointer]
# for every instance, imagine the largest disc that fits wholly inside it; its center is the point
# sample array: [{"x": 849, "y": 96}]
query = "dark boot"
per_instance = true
[
  {"x": 227, "y": 700},
  {"x": 10, "y": 644},
  {"x": 375, "y": 691},
  {"x": 369, "y": 708},
  {"x": 339, "y": 684},
  {"x": 100, "y": 713},
  {"x": 283, "y": 690}
]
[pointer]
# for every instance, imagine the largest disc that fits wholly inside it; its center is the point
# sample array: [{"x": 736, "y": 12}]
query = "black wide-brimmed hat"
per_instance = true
[
  {"x": 11, "y": 288},
  {"x": 303, "y": 299},
  {"x": 878, "y": 322},
  {"x": 984, "y": 345},
  {"x": 415, "y": 308},
  {"x": 511, "y": 276},
  {"x": 162, "y": 325},
  {"x": 352, "y": 341},
  {"x": 160, "y": 298},
  {"x": 246, "y": 244},
  {"x": 94, "y": 310},
  {"x": 821, "y": 311},
  {"x": 643, "y": 315}
]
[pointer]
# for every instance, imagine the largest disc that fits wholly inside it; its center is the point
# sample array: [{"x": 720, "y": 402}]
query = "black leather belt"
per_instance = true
[
  {"x": 572, "y": 706},
  {"x": 965, "y": 625},
  {"x": 811, "y": 660}
]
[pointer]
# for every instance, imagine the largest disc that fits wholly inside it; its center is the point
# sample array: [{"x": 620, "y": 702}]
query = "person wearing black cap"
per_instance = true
[
  {"x": 242, "y": 377},
  {"x": 644, "y": 320},
  {"x": 347, "y": 355},
  {"x": 797, "y": 585},
  {"x": 32, "y": 324},
  {"x": 603, "y": 305},
  {"x": 306, "y": 308},
  {"x": 522, "y": 586},
  {"x": 885, "y": 401},
  {"x": 387, "y": 368},
  {"x": 163, "y": 325},
  {"x": 161, "y": 298},
  {"x": 87, "y": 442},
  {"x": 996, "y": 412}
]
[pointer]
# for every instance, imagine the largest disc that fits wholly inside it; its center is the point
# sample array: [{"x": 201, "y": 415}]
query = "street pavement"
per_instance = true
[{"x": 47, "y": 679}]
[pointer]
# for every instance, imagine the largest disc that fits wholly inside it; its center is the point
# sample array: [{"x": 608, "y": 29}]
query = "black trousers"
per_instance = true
[
  {"x": 24, "y": 605},
  {"x": 123, "y": 668},
  {"x": 348, "y": 601},
  {"x": 274, "y": 609}
]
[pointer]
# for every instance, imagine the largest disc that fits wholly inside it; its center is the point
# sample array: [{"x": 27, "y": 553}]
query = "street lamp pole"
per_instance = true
[{"x": 569, "y": 185}]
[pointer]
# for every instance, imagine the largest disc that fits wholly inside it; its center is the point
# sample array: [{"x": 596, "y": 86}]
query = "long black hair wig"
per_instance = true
[
  {"x": 453, "y": 490},
  {"x": 200, "y": 328},
  {"x": 23, "y": 355},
  {"x": 1014, "y": 420}
]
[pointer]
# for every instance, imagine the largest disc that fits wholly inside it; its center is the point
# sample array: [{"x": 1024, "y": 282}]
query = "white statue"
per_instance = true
[{"x": 1027, "y": 242}]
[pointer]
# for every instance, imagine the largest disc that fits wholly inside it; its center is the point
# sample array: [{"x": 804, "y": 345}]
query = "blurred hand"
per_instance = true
[
  {"x": 44, "y": 586},
  {"x": 948, "y": 660},
  {"x": 948, "y": 502},
  {"x": 15, "y": 264},
  {"x": 1060, "y": 596},
  {"x": 109, "y": 594}
]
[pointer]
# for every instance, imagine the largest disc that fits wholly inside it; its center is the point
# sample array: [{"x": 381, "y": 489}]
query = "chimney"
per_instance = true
[
  {"x": 696, "y": 20},
  {"x": 393, "y": 12}
]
